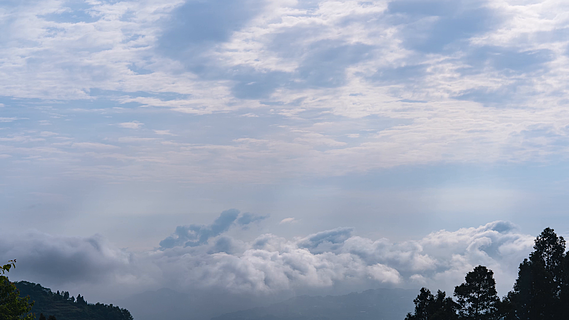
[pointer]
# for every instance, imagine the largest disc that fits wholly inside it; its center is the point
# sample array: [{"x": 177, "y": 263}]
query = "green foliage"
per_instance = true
[
  {"x": 12, "y": 306},
  {"x": 62, "y": 306},
  {"x": 6, "y": 268}
]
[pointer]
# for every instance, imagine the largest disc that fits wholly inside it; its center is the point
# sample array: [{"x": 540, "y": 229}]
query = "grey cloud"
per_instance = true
[
  {"x": 448, "y": 22},
  {"x": 73, "y": 12},
  {"x": 225, "y": 245},
  {"x": 508, "y": 59},
  {"x": 502, "y": 97},
  {"x": 197, "y": 25},
  {"x": 196, "y": 235},
  {"x": 405, "y": 74},
  {"x": 332, "y": 238},
  {"x": 323, "y": 65},
  {"x": 326, "y": 62},
  {"x": 57, "y": 259},
  {"x": 247, "y": 218},
  {"x": 252, "y": 84},
  {"x": 419, "y": 8}
]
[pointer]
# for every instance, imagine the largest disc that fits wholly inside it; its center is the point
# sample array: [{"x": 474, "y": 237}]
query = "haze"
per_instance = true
[{"x": 266, "y": 149}]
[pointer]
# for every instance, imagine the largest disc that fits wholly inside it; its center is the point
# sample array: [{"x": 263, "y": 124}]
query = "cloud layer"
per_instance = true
[
  {"x": 334, "y": 261},
  {"x": 330, "y": 87}
]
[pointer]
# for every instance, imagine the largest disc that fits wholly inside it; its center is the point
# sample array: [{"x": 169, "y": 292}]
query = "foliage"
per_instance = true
[
  {"x": 63, "y": 306},
  {"x": 430, "y": 307},
  {"x": 12, "y": 306},
  {"x": 541, "y": 291},
  {"x": 477, "y": 296}
]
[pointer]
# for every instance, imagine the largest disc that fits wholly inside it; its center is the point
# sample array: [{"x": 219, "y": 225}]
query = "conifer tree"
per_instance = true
[
  {"x": 538, "y": 290},
  {"x": 431, "y": 307},
  {"x": 477, "y": 297}
]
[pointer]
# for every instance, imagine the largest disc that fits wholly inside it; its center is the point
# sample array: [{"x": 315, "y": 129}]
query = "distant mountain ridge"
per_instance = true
[
  {"x": 379, "y": 304},
  {"x": 65, "y": 307}
]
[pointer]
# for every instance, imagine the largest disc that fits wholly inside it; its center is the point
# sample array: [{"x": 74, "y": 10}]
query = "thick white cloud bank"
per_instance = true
[{"x": 333, "y": 261}]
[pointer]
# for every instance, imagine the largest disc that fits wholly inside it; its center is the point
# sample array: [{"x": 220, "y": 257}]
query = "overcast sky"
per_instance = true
[{"x": 277, "y": 145}]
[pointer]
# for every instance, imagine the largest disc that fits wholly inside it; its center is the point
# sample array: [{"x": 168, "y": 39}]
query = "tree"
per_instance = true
[
  {"x": 477, "y": 297},
  {"x": 81, "y": 300},
  {"x": 12, "y": 306},
  {"x": 430, "y": 307},
  {"x": 541, "y": 283}
]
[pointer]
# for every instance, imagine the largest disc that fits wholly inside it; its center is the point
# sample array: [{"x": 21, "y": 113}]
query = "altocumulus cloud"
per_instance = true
[
  {"x": 205, "y": 258},
  {"x": 456, "y": 81}
]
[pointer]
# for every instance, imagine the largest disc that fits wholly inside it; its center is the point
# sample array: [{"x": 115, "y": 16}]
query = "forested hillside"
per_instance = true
[{"x": 65, "y": 307}]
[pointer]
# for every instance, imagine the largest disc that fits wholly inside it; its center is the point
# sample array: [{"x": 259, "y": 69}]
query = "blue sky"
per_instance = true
[{"x": 132, "y": 121}]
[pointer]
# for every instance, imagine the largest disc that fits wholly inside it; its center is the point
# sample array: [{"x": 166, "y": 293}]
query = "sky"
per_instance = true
[{"x": 279, "y": 146}]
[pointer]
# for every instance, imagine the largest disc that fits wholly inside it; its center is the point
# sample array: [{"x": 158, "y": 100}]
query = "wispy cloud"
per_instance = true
[
  {"x": 8, "y": 119},
  {"x": 93, "y": 145},
  {"x": 164, "y": 133},
  {"x": 288, "y": 220},
  {"x": 131, "y": 125}
]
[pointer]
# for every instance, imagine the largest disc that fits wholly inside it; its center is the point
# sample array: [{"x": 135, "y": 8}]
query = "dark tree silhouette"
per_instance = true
[
  {"x": 541, "y": 291},
  {"x": 477, "y": 297},
  {"x": 53, "y": 304},
  {"x": 539, "y": 288},
  {"x": 81, "y": 300},
  {"x": 430, "y": 307}
]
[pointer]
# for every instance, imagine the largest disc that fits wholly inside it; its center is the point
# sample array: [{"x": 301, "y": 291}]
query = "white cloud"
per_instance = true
[
  {"x": 288, "y": 220},
  {"x": 164, "y": 132},
  {"x": 48, "y": 134},
  {"x": 492, "y": 96},
  {"x": 250, "y": 115},
  {"x": 12, "y": 119},
  {"x": 131, "y": 125},
  {"x": 93, "y": 145},
  {"x": 324, "y": 261}
]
